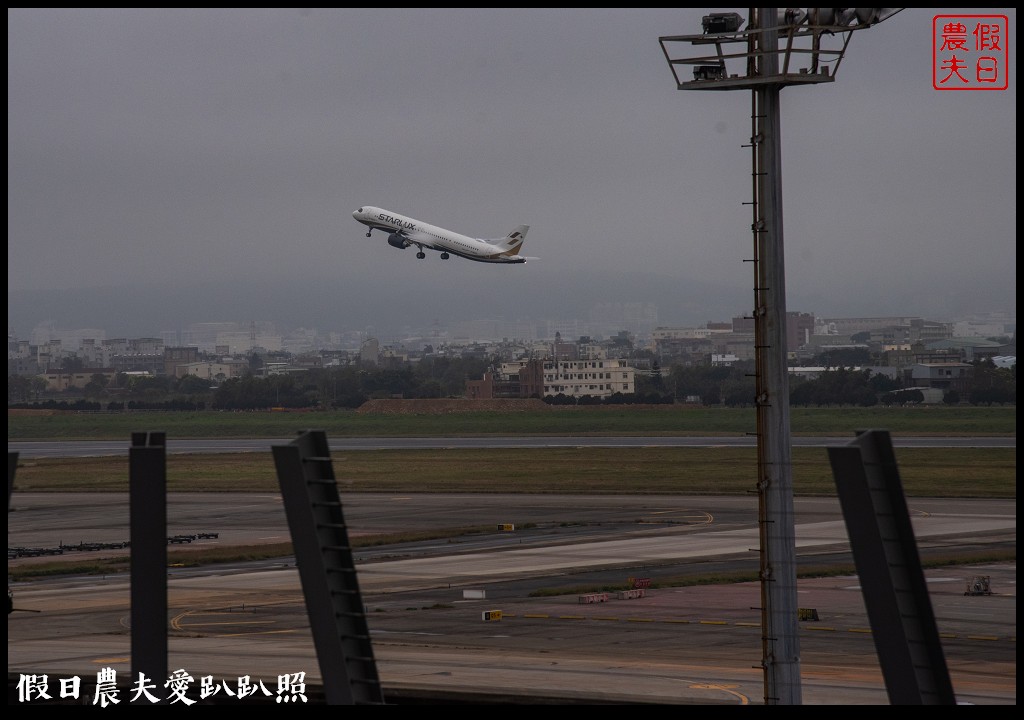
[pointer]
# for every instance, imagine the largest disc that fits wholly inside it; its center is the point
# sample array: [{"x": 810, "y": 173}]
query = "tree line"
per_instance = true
[{"x": 350, "y": 387}]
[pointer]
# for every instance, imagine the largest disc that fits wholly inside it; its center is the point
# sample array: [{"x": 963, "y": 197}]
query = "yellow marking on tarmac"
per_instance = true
[
  {"x": 744, "y": 700},
  {"x": 614, "y": 619},
  {"x": 679, "y": 622},
  {"x": 982, "y": 637},
  {"x": 859, "y": 630},
  {"x": 571, "y": 617},
  {"x": 747, "y": 624},
  {"x": 245, "y": 622},
  {"x": 272, "y": 632},
  {"x": 713, "y": 622},
  {"x": 528, "y": 615},
  {"x": 104, "y": 661},
  {"x": 646, "y": 620},
  {"x": 830, "y": 629}
]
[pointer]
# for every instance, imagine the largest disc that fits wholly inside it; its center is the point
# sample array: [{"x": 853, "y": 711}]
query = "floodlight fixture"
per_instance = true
[
  {"x": 722, "y": 22},
  {"x": 851, "y": 18},
  {"x": 812, "y": 44},
  {"x": 791, "y": 16},
  {"x": 708, "y": 72}
]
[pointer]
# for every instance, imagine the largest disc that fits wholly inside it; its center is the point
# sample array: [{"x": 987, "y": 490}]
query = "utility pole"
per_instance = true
[
  {"x": 779, "y": 625},
  {"x": 774, "y": 44}
]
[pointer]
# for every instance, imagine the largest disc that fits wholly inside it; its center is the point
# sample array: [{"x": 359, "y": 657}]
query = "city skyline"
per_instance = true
[{"x": 241, "y": 336}]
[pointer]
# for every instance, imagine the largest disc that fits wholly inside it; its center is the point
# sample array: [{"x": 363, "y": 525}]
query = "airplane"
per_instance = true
[{"x": 405, "y": 231}]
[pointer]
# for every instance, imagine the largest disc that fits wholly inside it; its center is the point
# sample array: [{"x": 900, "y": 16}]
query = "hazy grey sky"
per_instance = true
[{"x": 172, "y": 166}]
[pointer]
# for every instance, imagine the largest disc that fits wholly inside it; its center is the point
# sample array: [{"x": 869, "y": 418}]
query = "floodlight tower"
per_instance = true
[{"x": 778, "y": 48}]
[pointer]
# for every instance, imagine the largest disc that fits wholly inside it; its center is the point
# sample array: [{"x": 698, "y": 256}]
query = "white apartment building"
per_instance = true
[{"x": 598, "y": 378}]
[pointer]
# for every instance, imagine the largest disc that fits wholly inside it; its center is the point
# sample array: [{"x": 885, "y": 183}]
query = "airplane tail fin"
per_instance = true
[{"x": 511, "y": 243}]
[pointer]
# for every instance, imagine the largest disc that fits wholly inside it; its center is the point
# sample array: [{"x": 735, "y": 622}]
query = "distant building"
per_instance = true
[
  {"x": 175, "y": 357},
  {"x": 369, "y": 352},
  {"x": 799, "y": 328},
  {"x": 45, "y": 332},
  {"x": 682, "y": 350},
  {"x": 58, "y": 381},
  {"x": 22, "y": 359},
  {"x": 214, "y": 371},
  {"x": 563, "y": 350},
  {"x": 853, "y": 325},
  {"x": 576, "y": 378},
  {"x": 204, "y": 335},
  {"x": 134, "y": 354},
  {"x": 968, "y": 349},
  {"x": 813, "y": 373},
  {"x": 989, "y": 327},
  {"x": 739, "y": 344},
  {"x": 888, "y": 330},
  {"x": 549, "y": 378},
  {"x": 944, "y": 376},
  {"x": 150, "y": 363},
  {"x": 490, "y": 387}
]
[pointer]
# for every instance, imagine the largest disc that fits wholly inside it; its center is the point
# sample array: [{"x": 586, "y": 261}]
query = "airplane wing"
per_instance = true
[{"x": 419, "y": 238}]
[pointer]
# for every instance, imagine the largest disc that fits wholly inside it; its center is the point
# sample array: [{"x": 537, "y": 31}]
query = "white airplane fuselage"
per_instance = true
[{"x": 403, "y": 231}]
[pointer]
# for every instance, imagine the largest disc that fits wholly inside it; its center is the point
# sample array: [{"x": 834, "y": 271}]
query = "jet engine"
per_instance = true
[{"x": 398, "y": 240}]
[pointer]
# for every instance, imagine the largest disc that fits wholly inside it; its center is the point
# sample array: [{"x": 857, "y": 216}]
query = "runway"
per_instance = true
[
  {"x": 425, "y": 601},
  {"x": 96, "y": 448}
]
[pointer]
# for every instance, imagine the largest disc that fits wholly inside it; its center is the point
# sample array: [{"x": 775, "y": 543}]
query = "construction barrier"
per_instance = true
[
  {"x": 593, "y": 598},
  {"x": 632, "y": 594}
]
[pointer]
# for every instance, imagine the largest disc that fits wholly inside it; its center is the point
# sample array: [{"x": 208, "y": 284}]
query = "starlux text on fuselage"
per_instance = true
[{"x": 404, "y": 224}]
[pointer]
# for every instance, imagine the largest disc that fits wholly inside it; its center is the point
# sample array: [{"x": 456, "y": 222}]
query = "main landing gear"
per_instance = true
[
  {"x": 421, "y": 254},
  {"x": 444, "y": 256}
]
